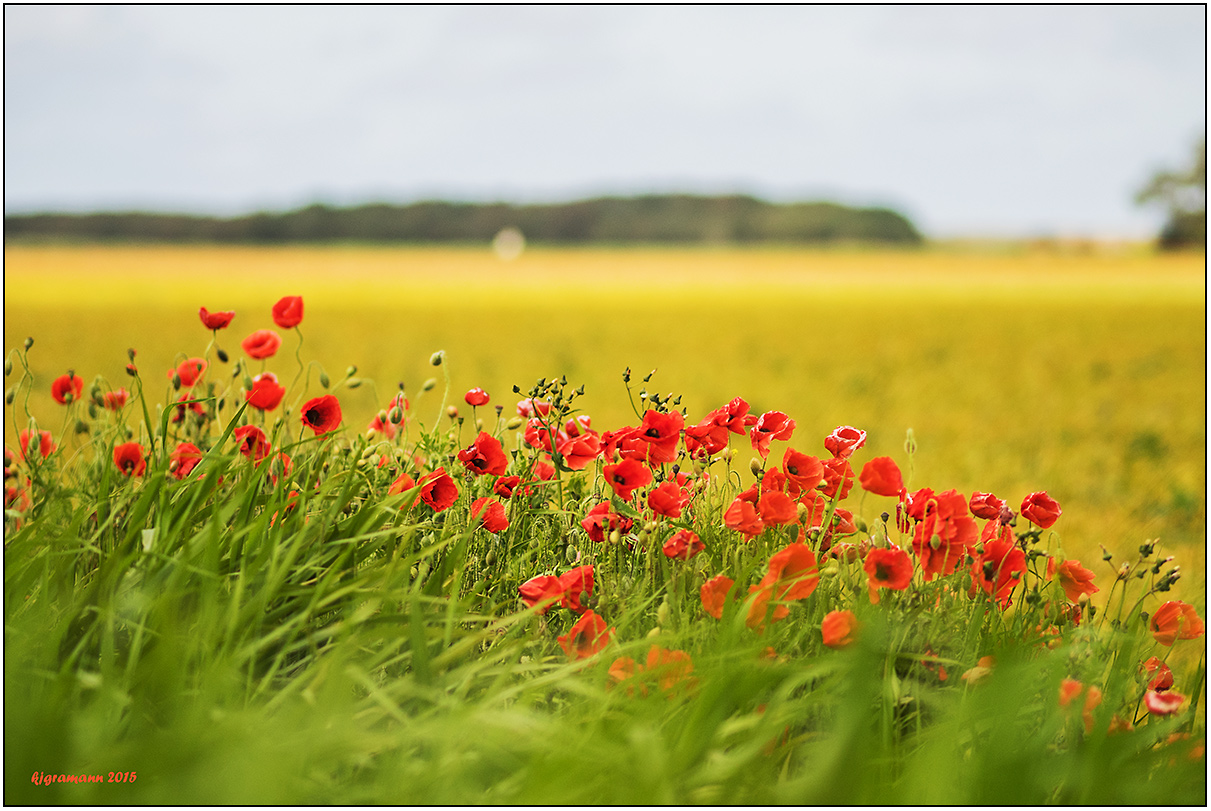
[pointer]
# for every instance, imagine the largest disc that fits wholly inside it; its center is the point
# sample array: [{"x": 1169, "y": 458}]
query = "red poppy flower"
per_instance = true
[
  {"x": 1040, "y": 509},
  {"x": 129, "y": 459},
  {"x": 844, "y": 441},
  {"x": 887, "y": 568},
  {"x": 252, "y": 442},
  {"x": 882, "y": 477},
  {"x": 714, "y": 593},
  {"x": 1161, "y": 675},
  {"x": 683, "y": 545},
  {"x": 45, "y": 444},
  {"x": 402, "y": 484},
  {"x": 1175, "y": 620},
  {"x": 998, "y": 569},
  {"x": 438, "y": 490},
  {"x": 262, "y": 344},
  {"x": 542, "y": 591},
  {"x": 217, "y": 320},
  {"x": 662, "y": 432},
  {"x": 945, "y": 531},
  {"x": 792, "y": 575},
  {"x": 66, "y": 388},
  {"x": 576, "y": 584},
  {"x": 580, "y": 450},
  {"x": 184, "y": 459},
  {"x": 839, "y": 628},
  {"x": 532, "y": 408},
  {"x": 838, "y": 477},
  {"x": 505, "y": 486},
  {"x": 770, "y": 426},
  {"x": 668, "y": 499},
  {"x": 805, "y": 471},
  {"x": 626, "y": 477},
  {"x": 484, "y": 456},
  {"x": 1076, "y": 580},
  {"x": 985, "y": 505},
  {"x": 288, "y": 312},
  {"x": 179, "y": 412},
  {"x": 777, "y": 509},
  {"x": 599, "y": 521},
  {"x": 737, "y": 417},
  {"x": 491, "y": 514},
  {"x": 587, "y": 637},
  {"x": 742, "y": 517},
  {"x": 189, "y": 371},
  {"x": 670, "y": 668},
  {"x": 321, "y": 414},
  {"x": 115, "y": 400},
  {"x": 265, "y": 393},
  {"x": 708, "y": 437},
  {"x": 1165, "y": 703},
  {"x": 476, "y": 397}
]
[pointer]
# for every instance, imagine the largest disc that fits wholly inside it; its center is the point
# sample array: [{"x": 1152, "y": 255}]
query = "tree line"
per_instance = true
[{"x": 674, "y": 218}]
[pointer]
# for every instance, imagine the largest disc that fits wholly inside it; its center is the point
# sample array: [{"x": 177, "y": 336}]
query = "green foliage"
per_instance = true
[
  {"x": 676, "y": 219},
  {"x": 1184, "y": 194}
]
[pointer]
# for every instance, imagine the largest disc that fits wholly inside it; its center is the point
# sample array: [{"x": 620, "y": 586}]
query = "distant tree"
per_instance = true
[{"x": 1184, "y": 193}]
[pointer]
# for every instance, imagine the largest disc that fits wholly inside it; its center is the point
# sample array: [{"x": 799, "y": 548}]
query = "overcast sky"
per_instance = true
[{"x": 1017, "y": 120}]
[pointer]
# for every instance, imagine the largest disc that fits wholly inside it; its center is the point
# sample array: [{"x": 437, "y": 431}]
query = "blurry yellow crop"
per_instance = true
[{"x": 1080, "y": 375}]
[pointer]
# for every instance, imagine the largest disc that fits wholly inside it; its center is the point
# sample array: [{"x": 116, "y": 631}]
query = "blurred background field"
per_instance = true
[{"x": 1079, "y": 373}]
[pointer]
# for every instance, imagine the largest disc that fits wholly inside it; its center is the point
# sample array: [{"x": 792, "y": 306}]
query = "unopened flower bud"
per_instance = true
[
  {"x": 324, "y": 381},
  {"x": 81, "y": 427},
  {"x": 395, "y": 416},
  {"x": 514, "y": 423},
  {"x": 92, "y": 410},
  {"x": 860, "y": 524},
  {"x": 831, "y": 569},
  {"x": 8, "y": 366},
  {"x": 247, "y": 383},
  {"x": 130, "y": 353},
  {"x": 29, "y": 342},
  {"x": 935, "y": 542},
  {"x": 479, "y": 424},
  {"x": 437, "y": 357},
  {"x": 615, "y": 536},
  {"x": 801, "y": 510},
  {"x": 428, "y": 384},
  {"x": 222, "y": 355},
  {"x": 755, "y": 466},
  {"x": 662, "y": 613},
  {"x": 353, "y": 382},
  {"x": 8, "y": 396}
]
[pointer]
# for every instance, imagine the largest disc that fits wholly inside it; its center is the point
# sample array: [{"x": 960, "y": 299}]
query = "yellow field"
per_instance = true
[{"x": 1081, "y": 375}]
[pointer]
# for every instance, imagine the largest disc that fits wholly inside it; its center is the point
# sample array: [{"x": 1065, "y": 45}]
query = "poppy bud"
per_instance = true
[
  {"x": 755, "y": 466},
  {"x": 247, "y": 383},
  {"x": 831, "y": 569},
  {"x": 395, "y": 416},
  {"x": 437, "y": 357},
  {"x": 130, "y": 353},
  {"x": 353, "y": 382},
  {"x": 29, "y": 342},
  {"x": 131, "y": 370},
  {"x": 222, "y": 355},
  {"x": 92, "y": 410},
  {"x": 8, "y": 366},
  {"x": 351, "y": 371},
  {"x": 860, "y": 523},
  {"x": 8, "y": 396},
  {"x": 479, "y": 424},
  {"x": 1106, "y": 554},
  {"x": 801, "y": 510},
  {"x": 935, "y": 542},
  {"x": 81, "y": 427},
  {"x": 176, "y": 381},
  {"x": 514, "y": 423},
  {"x": 428, "y": 384},
  {"x": 662, "y": 613},
  {"x": 452, "y": 411},
  {"x": 324, "y": 381},
  {"x": 615, "y": 536}
]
